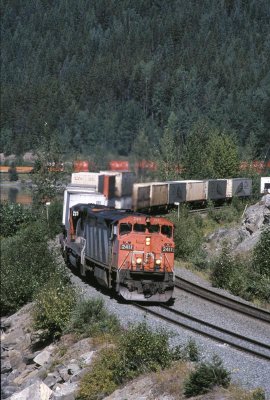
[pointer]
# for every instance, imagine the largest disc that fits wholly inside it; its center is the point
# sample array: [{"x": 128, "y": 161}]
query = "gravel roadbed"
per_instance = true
[{"x": 248, "y": 371}]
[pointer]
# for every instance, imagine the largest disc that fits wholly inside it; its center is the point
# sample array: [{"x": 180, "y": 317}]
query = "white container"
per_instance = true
[
  {"x": 88, "y": 178},
  {"x": 141, "y": 196},
  {"x": 80, "y": 194},
  {"x": 176, "y": 192},
  {"x": 124, "y": 181},
  {"x": 195, "y": 190},
  {"x": 238, "y": 187},
  {"x": 159, "y": 194},
  {"x": 265, "y": 184}
]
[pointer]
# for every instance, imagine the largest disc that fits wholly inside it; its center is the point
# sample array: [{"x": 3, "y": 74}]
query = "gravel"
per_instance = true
[{"x": 247, "y": 371}]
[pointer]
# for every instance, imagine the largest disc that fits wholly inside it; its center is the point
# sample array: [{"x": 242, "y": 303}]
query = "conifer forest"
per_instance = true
[{"x": 134, "y": 77}]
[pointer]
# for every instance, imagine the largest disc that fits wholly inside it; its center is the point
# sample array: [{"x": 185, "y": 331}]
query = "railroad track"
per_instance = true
[
  {"x": 221, "y": 335},
  {"x": 204, "y": 210},
  {"x": 217, "y": 298}
]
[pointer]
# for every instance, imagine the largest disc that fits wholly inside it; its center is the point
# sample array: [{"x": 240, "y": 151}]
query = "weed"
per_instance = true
[
  {"x": 53, "y": 307},
  {"x": 90, "y": 318},
  {"x": 205, "y": 377}
]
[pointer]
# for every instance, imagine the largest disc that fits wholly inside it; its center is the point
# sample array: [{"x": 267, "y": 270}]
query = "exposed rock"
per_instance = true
[
  {"x": 37, "y": 391},
  {"x": 243, "y": 239},
  {"x": 52, "y": 379},
  {"x": 63, "y": 372},
  {"x": 7, "y": 391},
  {"x": 5, "y": 366},
  {"x": 66, "y": 391},
  {"x": 43, "y": 357},
  {"x": 25, "y": 375},
  {"x": 28, "y": 358},
  {"x": 139, "y": 389},
  {"x": 87, "y": 357},
  {"x": 73, "y": 368}
]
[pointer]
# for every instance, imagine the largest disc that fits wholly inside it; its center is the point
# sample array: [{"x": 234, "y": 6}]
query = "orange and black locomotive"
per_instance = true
[{"x": 130, "y": 252}]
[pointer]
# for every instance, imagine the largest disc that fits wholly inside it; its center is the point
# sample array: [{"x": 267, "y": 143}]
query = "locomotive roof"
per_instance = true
[{"x": 108, "y": 213}]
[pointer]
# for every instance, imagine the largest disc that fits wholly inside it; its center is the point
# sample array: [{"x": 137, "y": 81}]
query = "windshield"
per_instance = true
[
  {"x": 145, "y": 228},
  {"x": 166, "y": 230}
]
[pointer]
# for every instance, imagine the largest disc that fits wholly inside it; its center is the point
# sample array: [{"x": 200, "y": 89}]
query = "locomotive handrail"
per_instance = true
[{"x": 124, "y": 260}]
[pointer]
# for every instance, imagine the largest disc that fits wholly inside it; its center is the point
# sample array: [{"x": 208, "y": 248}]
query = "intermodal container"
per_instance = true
[
  {"x": 89, "y": 179},
  {"x": 216, "y": 189},
  {"x": 265, "y": 184},
  {"x": 109, "y": 186},
  {"x": 195, "y": 190},
  {"x": 159, "y": 194},
  {"x": 118, "y": 165},
  {"x": 123, "y": 182},
  {"x": 238, "y": 187},
  {"x": 176, "y": 192},
  {"x": 80, "y": 166},
  {"x": 141, "y": 196},
  {"x": 123, "y": 203}
]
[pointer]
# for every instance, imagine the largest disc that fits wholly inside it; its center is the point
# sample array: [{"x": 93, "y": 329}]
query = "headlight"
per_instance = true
[
  {"x": 147, "y": 241},
  {"x": 158, "y": 262},
  {"x": 139, "y": 261}
]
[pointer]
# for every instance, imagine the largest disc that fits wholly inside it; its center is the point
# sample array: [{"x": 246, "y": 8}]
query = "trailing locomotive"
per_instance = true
[{"x": 129, "y": 252}]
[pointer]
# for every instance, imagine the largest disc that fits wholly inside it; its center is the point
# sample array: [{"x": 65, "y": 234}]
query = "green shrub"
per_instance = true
[
  {"x": 53, "y": 306},
  {"x": 231, "y": 273},
  {"x": 138, "y": 350},
  {"x": 261, "y": 256},
  {"x": 55, "y": 210},
  {"x": 258, "y": 394},
  {"x": 26, "y": 264},
  {"x": 192, "y": 350},
  {"x": 222, "y": 269},
  {"x": 243, "y": 277},
  {"x": 13, "y": 217},
  {"x": 227, "y": 214},
  {"x": 205, "y": 377},
  {"x": 102, "y": 380},
  {"x": 90, "y": 318},
  {"x": 189, "y": 352},
  {"x": 188, "y": 235},
  {"x": 143, "y": 350}
]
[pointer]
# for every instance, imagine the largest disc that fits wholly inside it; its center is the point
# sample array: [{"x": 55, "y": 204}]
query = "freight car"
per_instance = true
[{"x": 129, "y": 252}]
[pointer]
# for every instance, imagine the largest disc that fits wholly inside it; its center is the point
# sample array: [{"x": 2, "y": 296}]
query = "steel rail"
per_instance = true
[
  {"x": 218, "y": 298},
  {"x": 210, "y": 335}
]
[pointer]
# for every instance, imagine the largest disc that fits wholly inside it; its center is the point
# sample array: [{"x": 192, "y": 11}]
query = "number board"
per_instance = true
[{"x": 167, "y": 249}]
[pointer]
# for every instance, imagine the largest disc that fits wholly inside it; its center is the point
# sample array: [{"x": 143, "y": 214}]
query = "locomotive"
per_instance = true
[{"x": 128, "y": 252}]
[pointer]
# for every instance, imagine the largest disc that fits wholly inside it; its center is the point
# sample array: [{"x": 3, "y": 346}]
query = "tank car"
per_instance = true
[{"x": 129, "y": 252}]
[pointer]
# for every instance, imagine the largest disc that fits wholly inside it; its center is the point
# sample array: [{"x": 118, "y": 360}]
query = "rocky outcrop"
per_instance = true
[
  {"x": 49, "y": 373},
  {"x": 244, "y": 239}
]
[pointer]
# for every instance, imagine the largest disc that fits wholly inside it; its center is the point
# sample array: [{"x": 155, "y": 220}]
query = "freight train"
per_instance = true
[{"x": 129, "y": 252}]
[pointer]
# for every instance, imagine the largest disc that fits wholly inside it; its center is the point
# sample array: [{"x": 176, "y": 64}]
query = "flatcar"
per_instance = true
[{"x": 129, "y": 252}]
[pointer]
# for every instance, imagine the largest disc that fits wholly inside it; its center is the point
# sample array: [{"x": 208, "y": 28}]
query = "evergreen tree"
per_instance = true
[
  {"x": 210, "y": 153},
  {"x": 168, "y": 152},
  {"x": 12, "y": 172}
]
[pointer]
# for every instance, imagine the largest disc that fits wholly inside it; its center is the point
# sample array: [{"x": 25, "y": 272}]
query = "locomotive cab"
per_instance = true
[{"x": 145, "y": 258}]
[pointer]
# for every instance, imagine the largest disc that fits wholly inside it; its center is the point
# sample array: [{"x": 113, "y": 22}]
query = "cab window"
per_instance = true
[
  {"x": 153, "y": 228},
  {"x": 125, "y": 228},
  {"x": 139, "y": 228},
  {"x": 166, "y": 230}
]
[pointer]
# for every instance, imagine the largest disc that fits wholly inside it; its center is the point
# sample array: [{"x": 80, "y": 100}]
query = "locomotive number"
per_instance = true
[
  {"x": 167, "y": 249},
  {"x": 126, "y": 246}
]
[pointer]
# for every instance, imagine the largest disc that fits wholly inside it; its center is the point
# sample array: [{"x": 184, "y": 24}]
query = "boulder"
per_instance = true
[
  {"x": 52, "y": 379},
  {"x": 66, "y": 391},
  {"x": 44, "y": 357},
  {"x": 87, "y": 357},
  {"x": 37, "y": 391}
]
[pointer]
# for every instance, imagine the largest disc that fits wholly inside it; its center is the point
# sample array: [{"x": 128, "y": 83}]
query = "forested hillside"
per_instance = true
[{"x": 92, "y": 75}]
